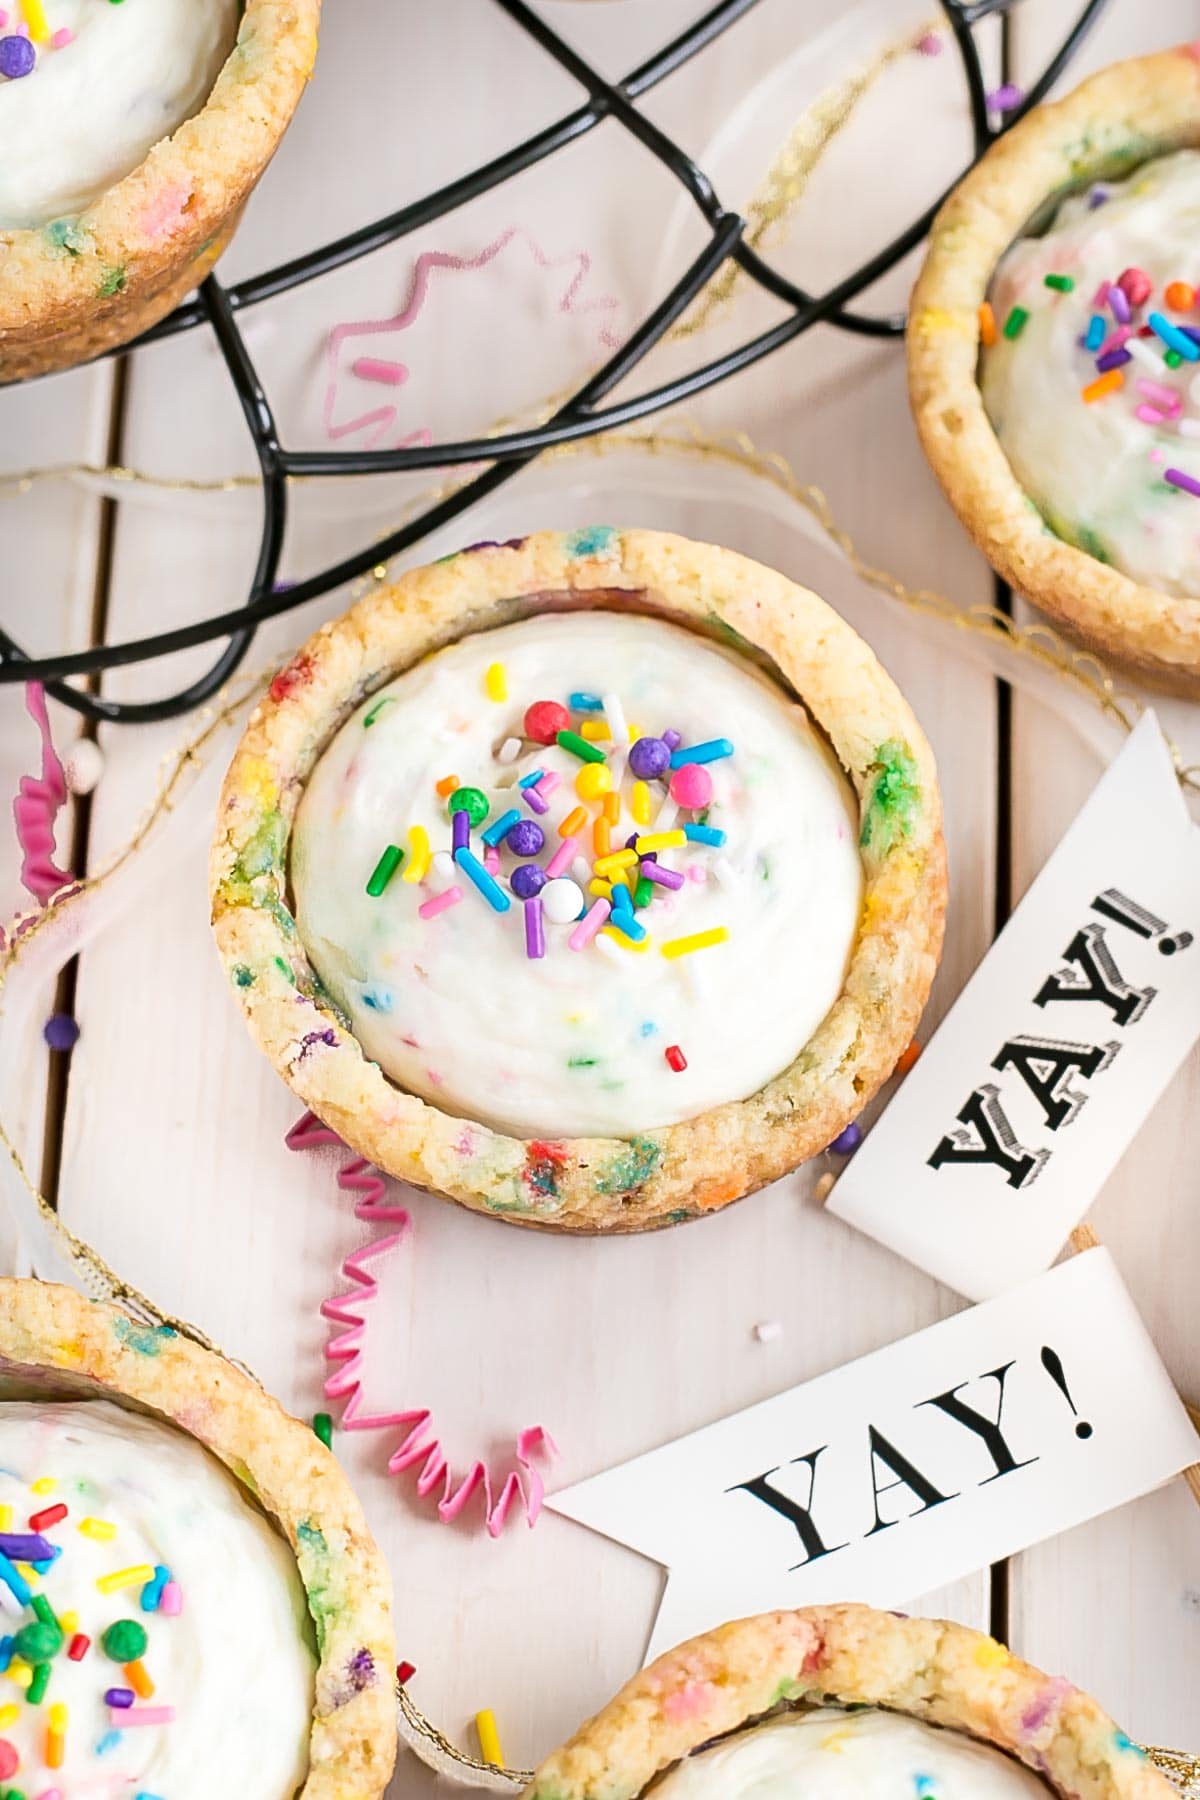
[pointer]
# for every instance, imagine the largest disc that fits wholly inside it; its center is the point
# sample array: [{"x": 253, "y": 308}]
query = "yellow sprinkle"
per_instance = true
[
  {"x": 9, "y": 1716},
  {"x": 699, "y": 940},
  {"x": 635, "y": 732},
  {"x": 836, "y": 1741},
  {"x": 610, "y": 865},
  {"x": 618, "y": 937},
  {"x": 69, "y": 1622},
  {"x": 990, "y": 1655},
  {"x": 20, "y": 1672},
  {"x": 5, "y": 1518},
  {"x": 612, "y": 808},
  {"x": 101, "y": 1529},
  {"x": 601, "y": 889},
  {"x": 641, "y": 803},
  {"x": 593, "y": 780},
  {"x": 35, "y": 18},
  {"x": 496, "y": 682},
  {"x": 595, "y": 731},
  {"x": 660, "y": 840},
  {"x": 45, "y": 1484},
  {"x": 58, "y": 1716},
  {"x": 29, "y": 1572},
  {"x": 489, "y": 1741},
  {"x": 419, "y": 859},
  {"x": 135, "y": 1576}
]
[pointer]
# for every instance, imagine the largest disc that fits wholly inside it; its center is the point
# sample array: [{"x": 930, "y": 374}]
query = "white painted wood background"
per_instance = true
[{"x": 164, "y": 1145}]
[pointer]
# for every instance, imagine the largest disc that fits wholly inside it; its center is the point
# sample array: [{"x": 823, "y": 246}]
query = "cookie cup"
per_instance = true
[
  {"x": 1114, "y": 121},
  {"x": 56, "y": 1345},
  {"x": 589, "y": 1184},
  {"x": 938, "y": 1672},
  {"x": 85, "y": 284}
]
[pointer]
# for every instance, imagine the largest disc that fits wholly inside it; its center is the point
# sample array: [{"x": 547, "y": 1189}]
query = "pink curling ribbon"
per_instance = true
[
  {"x": 421, "y": 1448},
  {"x": 37, "y": 805}
]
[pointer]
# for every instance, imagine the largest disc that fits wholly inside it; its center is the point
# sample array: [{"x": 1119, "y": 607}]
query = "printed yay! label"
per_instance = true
[
  {"x": 928, "y": 1459},
  {"x": 1054, "y": 1053}
]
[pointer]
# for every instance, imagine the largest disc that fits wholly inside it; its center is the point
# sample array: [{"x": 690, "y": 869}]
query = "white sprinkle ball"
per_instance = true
[
  {"x": 561, "y": 900},
  {"x": 83, "y": 765}
]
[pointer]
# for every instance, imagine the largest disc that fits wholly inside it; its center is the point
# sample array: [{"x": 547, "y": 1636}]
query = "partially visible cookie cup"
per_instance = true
[
  {"x": 85, "y": 284},
  {"x": 54, "y": 1345},
  {"x": 655, "y": 1177},
  {"x": 1116, "y": 120},
  {"x": 935, "y": 1671}
]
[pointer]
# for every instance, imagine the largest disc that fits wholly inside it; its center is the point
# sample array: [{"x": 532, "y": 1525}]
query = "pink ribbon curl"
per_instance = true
[
  {"x": 38, "y": 801},
  {"x": 421, "y": 1448}
]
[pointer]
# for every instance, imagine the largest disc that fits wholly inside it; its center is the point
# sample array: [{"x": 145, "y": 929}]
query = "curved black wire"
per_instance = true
[{"x": 579, "y": 417}]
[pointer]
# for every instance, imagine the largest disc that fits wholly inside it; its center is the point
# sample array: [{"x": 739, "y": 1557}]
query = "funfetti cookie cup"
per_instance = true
[
  {"x": 628, "y": 1003},
  {"x": 81, "y": 284},
  {"x": 898, "y": 1707},
  {"x": 254, "y": 1573},
  {"x": 1052, "y": 357}
]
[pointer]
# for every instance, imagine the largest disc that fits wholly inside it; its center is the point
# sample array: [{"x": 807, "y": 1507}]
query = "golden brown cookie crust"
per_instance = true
[
  {"x": 83, "y": 284},
  {"x": 1115, "y": 120},
  {"x": 943, "y": 1673},
  {"x": 52, "y": 1337},
  {"x": 589, "y": 1184}
]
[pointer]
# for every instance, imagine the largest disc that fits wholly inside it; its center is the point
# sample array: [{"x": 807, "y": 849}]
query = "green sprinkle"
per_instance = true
[
  {"x": 643, "y": 893},
  {"x": 1014, "y": 325},
  {"x": 581, "y": 1062},
  {"x": 44, "y": 1611},
  {"x": 112, "y": 283},
  {"x": 1062, "y": 284},
  {"x": 375, "y": 711},
  {"x": 471, "y": 800},
  {"x": 124, "y": 1641},
  {"x": 384, "y": 869},
  {"x": 323, "y": 1426},
  {"x": 577, "y": 746},
  {"x": 35, "y": 1693},
  {"x": 37, "y": 1643},
  {"x": 1172, "y": 358}
]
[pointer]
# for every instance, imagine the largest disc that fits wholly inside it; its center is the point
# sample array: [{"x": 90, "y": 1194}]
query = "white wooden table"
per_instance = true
[{"x": 163, "y": 1147}]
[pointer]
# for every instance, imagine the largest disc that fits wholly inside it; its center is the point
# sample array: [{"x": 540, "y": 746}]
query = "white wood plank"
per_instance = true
[{"x": 1114, "y": 1604}]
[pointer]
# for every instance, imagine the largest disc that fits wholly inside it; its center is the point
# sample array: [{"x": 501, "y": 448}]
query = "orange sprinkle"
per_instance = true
[
  {"x": 1103, "y": 384},
  {"x": 987, "y": 326},
  {"x": 574, "y": 823},
  {"x": 139, "y": 1681},
  {"x": 56, "y": 1745},
  {"x": 601, "y": 838},
  {"x": 909, "y": 1059},
  {"x": 1180, "y": 296},
  {"x": 612, "y": 807},
  {"x": 446, "y": 785}
]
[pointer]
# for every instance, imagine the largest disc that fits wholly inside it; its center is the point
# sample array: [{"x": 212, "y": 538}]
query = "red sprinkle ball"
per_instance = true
[
  {"x": 545, "y": 719},
  {"x": 676, "y": 1058}
]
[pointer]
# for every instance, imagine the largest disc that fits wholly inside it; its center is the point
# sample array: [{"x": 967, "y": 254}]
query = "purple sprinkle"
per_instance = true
[
  {"x": 1113, "y": 360},
  {"x": 1118, "y": 304},
  {"x": 1097, "y": 197},
  {"x": 61, "y": 1031},
  {"x": 631, "y": 840},
  {"x": 1006, "y": 98},
  {"x": 1178, "y": 479},
  {"x": 460, "y": 828},
  {"x": 316, "y": 1037},
  {"x": 525, "y": 838},
  {"x": 654, "y": 871},
  {"x": 17, "y": 57},
  {"x": 650, "y": 757},
  {"x": 672, "y": 739},
  {"x": 527, "y": 881},
  {"x": 847, "y": 1142},
  {"x": 535, "y": 936},
  {"x": 532, "y": 798},
  {"x": 361, "y": 1670},
  {"x": 1189, "y": 331},
  {"x": 118, "y": 1697},
  {"x": 20, "y": 1547}
]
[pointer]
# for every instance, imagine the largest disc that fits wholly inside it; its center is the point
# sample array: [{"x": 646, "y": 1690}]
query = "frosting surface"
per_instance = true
[
  {"x": 232, "y": 1662},
  {"x": 863, "y": 1755},
  {"x": 575, "y": 1042},
  {"x": 1100, "y": 469},
  {"x": 95, "y": 102}
]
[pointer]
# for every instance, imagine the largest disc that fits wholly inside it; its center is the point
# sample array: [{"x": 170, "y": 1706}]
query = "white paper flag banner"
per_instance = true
[
  {"x": 1052, "y": 1056},
  {"x": 915, "y": 1465}
]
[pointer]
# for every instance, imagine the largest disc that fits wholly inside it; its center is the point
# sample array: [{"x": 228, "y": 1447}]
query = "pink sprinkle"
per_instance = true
[
  {"x": 1163, "y": 396},
  {"x": 698, "y": 873},
  {"x": 429, "y": 909},
  {"x": 491, "y": 860},
  {"x": 1157, "y": 455},
  {"x": 1115, "y": 340},
  {"x": 562, "y": 857},
  {"x": 124, "y": 1717},
  {"x": 372, "y": 368},
  {"x": 62, "y": 37},
  {"x": 548, "y": 783},
  {"x": 930, "y": 44},
  {"x": 1005, "y": 98},
  {"x": 3, "y": 16},
  {"x": 589, "y": 925},
  {"x": 171, "y": 1603},
  {"x": 1150, "y": 415},
  {"x": 46, "y": 1793},
  {"x": 1100, "y": 295}
]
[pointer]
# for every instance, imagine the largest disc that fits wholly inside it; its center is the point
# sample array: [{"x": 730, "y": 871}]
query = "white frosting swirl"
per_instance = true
[
  {"x": 452, "y": 1008},
  {"x": 89, "y": 112},
  {"x": 1095, "y": 470},
  {"x": 835, "y": 1755},
  {"x": 235, "y": 1663}
]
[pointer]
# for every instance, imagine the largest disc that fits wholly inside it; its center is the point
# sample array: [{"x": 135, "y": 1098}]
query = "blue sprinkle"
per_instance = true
[
  {"x": 585, "y": 703},
  {"x": 378, "y": 999},
  {"x": 1126, "y": 1743},
  {"x": 532, "y": 779},
  {"x": 491, "y": 890},
  {"x": 627, "y": 925},
  {"x": 648, "y": 1028},
  {"x": 108, "y": 1742},
  {"x": 47, "y": 1562},
  {"x": 622, "y": 899},
  {"x": 925, "y": 1785},
  {"x": 704, "y": 834},
  {"x": 1174, "y": 338},
  {"x": 152, "y": 1592},
  {"x": 593, "y": 540},
  {"x": 1096, "y": 333},
  {"x": 144, "y": 1795},
  {"x": 501, "y": 826},
  {"x": 15, "y": 1582},
  {"x": 711, "y": 751},
  {"x": 6, "y": 1653}
]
